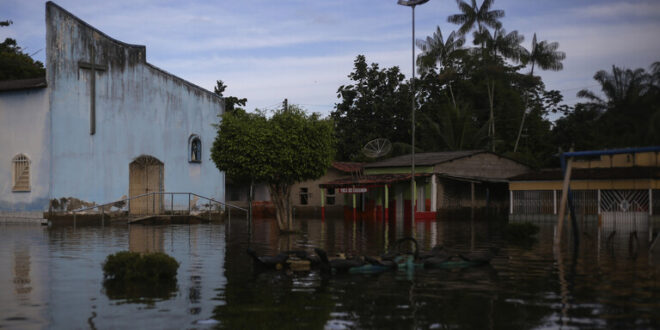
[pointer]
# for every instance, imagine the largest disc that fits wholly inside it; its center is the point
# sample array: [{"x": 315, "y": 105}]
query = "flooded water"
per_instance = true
[{"x": 51, "y": 277}]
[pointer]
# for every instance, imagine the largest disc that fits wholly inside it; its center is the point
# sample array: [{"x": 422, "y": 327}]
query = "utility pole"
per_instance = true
[{"x": 286, "y": 105}]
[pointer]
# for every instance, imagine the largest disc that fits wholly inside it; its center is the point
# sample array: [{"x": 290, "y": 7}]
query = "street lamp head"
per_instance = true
[{"x": 412, "y": 3}]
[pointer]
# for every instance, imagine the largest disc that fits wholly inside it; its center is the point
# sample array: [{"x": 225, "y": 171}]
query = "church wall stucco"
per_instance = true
[
  {"x": 140, "y": 110},
  {"x": 24, "y": 129}
]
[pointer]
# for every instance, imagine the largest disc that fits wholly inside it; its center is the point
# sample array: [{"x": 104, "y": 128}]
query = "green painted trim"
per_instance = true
[
  {"x": 387, "y": 197},
  {"x": 322, "y": 198},
  {"x": 397, "y": 170}
]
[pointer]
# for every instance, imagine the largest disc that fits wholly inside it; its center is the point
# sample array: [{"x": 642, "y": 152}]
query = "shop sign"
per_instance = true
[{"x": 352, "y": 190}]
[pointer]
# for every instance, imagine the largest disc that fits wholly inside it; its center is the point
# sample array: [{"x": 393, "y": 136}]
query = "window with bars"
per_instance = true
[{"x": 21, "y": 173}]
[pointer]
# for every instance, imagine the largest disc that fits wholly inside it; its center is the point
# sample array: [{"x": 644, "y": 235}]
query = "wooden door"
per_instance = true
[{"x": 145, "y": 176}]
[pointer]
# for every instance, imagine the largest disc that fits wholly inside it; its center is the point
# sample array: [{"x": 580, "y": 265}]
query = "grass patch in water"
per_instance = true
[{"x": 133, "y": 266}]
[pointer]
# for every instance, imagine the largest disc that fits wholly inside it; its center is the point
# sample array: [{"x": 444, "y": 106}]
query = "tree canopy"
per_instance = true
[
  {"x": 467, "y": 97},
  {"x": 15, "y": 63},
  {"x": 626, "y": 112},
  {"x": 290, "y": 146}
]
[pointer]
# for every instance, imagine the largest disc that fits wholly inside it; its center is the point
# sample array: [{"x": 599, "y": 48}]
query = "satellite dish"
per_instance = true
[{"x": 377, "y": 148}]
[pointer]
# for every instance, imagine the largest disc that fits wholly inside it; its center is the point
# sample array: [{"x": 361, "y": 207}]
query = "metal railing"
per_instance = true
[{"x": 158, "y": 205}]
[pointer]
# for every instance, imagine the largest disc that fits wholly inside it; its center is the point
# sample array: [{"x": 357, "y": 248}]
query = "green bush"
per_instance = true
[{"x": 133, "y": 266}]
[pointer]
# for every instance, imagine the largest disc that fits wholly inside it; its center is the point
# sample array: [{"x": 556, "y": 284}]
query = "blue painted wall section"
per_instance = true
[{"x": 140, "y": 110}]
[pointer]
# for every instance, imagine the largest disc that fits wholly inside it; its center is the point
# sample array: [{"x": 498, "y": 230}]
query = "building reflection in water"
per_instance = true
[
  {"x": 145, "y": 239},
  {"x": 21, "y": 272}
]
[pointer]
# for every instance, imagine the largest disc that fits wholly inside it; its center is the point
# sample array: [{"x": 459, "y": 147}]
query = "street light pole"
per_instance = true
[{"x": 413, "y": 192}]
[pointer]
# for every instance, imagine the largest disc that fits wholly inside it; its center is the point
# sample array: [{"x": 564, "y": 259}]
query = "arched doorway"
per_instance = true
[{"x": 145, "y": 176}]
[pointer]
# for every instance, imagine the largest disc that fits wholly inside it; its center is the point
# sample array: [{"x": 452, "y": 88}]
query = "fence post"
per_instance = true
[
  {"x": 172, "y": 204},
  {"x": 188, "y": 203}
]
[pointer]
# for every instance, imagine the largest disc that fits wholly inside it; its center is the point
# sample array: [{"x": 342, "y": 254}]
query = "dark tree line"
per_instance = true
[
  {"x": 15, "y": 63},
  {"x": 626, "y": 115},
  {"x": 487, "y": 96}
]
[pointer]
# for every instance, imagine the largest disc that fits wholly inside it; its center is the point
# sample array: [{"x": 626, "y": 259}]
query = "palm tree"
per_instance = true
[
  {"x": 501, "y": 43},
  {"x": 622, "y": 88},
  {"x": 545, "y": 55},
  {"x": 436, "y": 50},
  {"x": 472, "y": 15},
  {"x": 480, "y": 16}
]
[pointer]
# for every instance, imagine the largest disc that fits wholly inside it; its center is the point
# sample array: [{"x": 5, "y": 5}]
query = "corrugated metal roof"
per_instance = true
[
  {"x": 424, "y": 159},
  {"x": 14, "y": 85},
  {"x": 616, "y": 173}
]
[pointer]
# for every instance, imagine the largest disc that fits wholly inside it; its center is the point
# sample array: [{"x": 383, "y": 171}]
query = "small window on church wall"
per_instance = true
[
  {"x": 195, "y": 149},
  {"x": 21, "y": 175}
]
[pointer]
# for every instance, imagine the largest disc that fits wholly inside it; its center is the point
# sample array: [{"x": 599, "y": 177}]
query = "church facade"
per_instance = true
[{"x": 104, "y": 125}]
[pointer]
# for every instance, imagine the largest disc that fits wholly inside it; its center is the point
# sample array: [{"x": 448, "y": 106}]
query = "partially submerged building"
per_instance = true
[
  {"x": 450, "y": 180},
  {"x": 103, "y": 125},
  {"x": 604, "y": 185},
  {"x": 307, "y": 197}
]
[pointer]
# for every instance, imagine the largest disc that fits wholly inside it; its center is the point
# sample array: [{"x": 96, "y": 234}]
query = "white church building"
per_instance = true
[{"x": 103, "y": 125}]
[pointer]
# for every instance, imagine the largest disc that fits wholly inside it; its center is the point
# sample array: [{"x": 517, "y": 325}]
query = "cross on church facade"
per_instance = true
[{"x": 93, "y": 67}]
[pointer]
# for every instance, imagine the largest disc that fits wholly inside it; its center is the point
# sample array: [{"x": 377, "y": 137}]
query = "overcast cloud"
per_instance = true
[{"x": 303, "y": 50}]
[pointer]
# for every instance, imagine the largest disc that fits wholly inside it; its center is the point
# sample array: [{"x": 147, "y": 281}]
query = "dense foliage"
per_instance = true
[
  {"x": 14, "y": 63},
  {"x": 466, "y": 97},
  {"x": 627, "y": 116},
  {"x": 133, "y": 266},
  {"x": 289, "y": 147}
]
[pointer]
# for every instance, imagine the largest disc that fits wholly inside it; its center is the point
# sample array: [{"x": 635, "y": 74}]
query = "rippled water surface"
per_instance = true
[{"x": 51, "y": 277}]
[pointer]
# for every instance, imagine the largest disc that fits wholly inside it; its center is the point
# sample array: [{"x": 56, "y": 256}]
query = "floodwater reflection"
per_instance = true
[{"x": 52, "y": 277}]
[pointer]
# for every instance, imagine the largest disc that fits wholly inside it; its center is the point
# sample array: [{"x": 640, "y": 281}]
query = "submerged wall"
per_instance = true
[{"x": 140, "y": 110}]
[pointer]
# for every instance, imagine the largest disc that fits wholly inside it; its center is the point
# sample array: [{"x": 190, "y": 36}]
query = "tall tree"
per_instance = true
[
  {"x": 441, "y": 54},
  {"x": 481, "y": 17},
  {"x": 373, "y": 106},
  {"x": 545, "y": 55},
  {"x": 438, "y": 52},
  {"x": 472, "y": 16},
  {"x": 289, "y": 147},
  {"x": 16, "y": 64}
]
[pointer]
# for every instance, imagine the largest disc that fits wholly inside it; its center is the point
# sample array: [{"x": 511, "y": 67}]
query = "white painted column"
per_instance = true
[
  {"x": 554, "y": 201},
  {"x": 510, "y": 201},
  {"x": 434, "y": 194},
  {"x": 598, "y": 202}
]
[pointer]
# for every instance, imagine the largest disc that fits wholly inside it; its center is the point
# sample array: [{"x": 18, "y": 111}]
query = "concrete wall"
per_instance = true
[
  {"x": 620, "y": 160},
  {"x": 24, "y": 129},
  {"x": 140, "y": 110},
  {"x": 314, "y": 191}
]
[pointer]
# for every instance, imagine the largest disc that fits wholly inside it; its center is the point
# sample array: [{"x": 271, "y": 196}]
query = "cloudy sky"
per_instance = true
[{"x": 303, "y": 50}]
